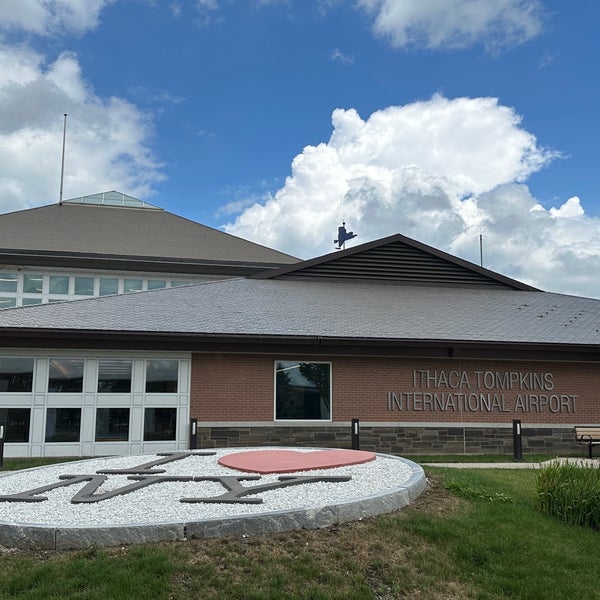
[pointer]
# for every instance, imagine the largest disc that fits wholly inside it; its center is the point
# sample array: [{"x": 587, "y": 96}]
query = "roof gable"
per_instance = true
[{"x": 396, "y": 259}]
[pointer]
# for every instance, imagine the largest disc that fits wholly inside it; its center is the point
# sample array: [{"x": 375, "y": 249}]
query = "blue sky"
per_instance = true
[{"x": 276, "y": 120}]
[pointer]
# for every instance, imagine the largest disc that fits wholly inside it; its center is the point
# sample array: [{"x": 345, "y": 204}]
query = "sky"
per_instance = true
[{"x": 448, "y": 121}]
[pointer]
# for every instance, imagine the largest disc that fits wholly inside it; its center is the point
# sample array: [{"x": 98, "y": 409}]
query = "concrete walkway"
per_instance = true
[{"x": 586, "y": 462}]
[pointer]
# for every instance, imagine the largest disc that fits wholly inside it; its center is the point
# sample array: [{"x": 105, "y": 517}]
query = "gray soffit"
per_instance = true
[
  {"x": 396, "y": 259},
  {"x": 87, "y": 232},
  {"x": 348, "y": 313}
]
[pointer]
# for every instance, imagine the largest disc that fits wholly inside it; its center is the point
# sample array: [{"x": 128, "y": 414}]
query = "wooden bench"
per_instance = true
[{"x": 588, "y": 435}]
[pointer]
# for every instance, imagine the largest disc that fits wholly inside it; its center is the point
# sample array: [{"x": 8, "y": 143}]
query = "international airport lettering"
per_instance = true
[
  {"x": 463, "y": 391},
  {"x": 146, "y": 474}
]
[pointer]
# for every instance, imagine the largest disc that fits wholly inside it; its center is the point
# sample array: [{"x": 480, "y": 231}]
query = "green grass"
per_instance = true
[
  {"x": 15, "y": 464},
  {"x": 571, "y": 493},
  {"x": 474, "y": 534}
]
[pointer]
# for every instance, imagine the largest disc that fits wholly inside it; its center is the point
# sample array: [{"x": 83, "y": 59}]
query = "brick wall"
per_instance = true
[{"x": 240, "y": 388}]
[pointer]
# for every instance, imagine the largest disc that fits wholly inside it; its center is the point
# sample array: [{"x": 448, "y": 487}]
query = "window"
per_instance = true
[
  {"x": 108, "y": 285},
  {"x": 159, "y": 424},
  {"x": 302, "y": 390},
  {"x": 16, "y": 424},
  {"x": 178, "y": 282},
  {"x": 112, "y": 424},
  {"x": 7, "y": 302},
  {"x": 132, "y": 285},
  {"x": 65, "y": 375},
  {"x": 161, "y": 376},
  {"x": 114, "y": 376},
  {"x": 156, "y": 284},
  {"x": 32, "y": 284},
  {"x": 63, "y": 424},
  {"x": 84, "y": 286},
  {"x": 31, "y": 301},
  {"x": 59, "y": 284},
  {"x": 16, "y": 374},
  {"x": 8, "y": 282}
]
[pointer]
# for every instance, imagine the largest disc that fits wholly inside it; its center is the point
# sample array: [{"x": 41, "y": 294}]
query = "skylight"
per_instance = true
[{"x": 111, "y": 199}]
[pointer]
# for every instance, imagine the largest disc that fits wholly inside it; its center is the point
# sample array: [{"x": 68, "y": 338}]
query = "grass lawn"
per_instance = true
[{"x": 482, "y": 540}]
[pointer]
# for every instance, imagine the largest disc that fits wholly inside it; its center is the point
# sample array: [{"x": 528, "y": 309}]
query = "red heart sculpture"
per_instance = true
[{"x": 288, "y": 461}]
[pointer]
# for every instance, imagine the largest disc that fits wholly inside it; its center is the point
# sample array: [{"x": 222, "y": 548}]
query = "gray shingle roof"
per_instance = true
[
  {"x": 288, "y": 308},
  {"x": 124, "y": 231}
]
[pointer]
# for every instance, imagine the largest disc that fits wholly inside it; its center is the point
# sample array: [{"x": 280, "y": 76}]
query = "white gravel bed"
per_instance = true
[{"x": 160, "y": 503}]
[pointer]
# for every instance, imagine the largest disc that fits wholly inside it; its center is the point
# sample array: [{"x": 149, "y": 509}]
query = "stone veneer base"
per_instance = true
[{"x": 399, "y": 440}]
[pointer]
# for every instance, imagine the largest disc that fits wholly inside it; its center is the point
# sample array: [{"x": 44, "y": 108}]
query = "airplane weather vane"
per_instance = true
[{"x": 343, "y": 236}]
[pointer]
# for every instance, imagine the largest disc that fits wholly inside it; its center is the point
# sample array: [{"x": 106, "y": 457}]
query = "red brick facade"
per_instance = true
[{"x": 240, "y": 388}]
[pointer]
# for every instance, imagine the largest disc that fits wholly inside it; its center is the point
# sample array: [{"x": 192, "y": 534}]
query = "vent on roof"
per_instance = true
[{"x": 396, "y": 262}]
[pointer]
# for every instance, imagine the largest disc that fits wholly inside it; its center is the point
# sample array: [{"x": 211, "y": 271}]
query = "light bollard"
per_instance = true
[
  {"x": 517, "y": 445},
  {"x": 355, "y": 434},
  {"x": 1, "y": 445},
  {"x": 193, "y": 434}
]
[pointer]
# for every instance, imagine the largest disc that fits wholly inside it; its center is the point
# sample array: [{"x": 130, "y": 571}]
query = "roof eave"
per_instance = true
[
  {"x": 115, "y": 262},
  {"x": 297, "y": 344}
]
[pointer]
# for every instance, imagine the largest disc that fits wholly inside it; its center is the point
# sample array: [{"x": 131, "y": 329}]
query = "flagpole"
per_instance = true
[{"x": 62, "y": 167}]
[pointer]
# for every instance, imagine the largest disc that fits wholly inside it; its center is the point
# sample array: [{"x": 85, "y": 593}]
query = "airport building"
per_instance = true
[{"x": 430, "y": 353}]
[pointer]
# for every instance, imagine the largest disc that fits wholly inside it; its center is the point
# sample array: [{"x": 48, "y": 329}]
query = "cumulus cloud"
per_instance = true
[
  {"x": 49, "y": 17},
  {"x": 442, "y": 171},
  {"x": 107, "y": 138},
  {"x": 455, "y": 23}
]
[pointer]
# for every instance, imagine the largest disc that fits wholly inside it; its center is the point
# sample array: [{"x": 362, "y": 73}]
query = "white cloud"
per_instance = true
[
  {"x": 441, "y": 171},
  {"x": 107, "y": 138},
  {"x": 49, "y": 17},
  {"x": 341, "y": 57},
  {"x": 455, "y": 23}
]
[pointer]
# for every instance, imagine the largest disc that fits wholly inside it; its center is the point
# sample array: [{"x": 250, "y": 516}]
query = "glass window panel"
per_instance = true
[
  {"x": 161, "y": 376},
  {"x": 114, "y": 376},
  {"x": 59, "y": 284},
  {"x": 7, "y": 302},
  {"x": 16, "y": 424},
  {"x": 302, "y": 390},
  {"x": 16, "y": 374},
  {"x": 132, "y": 285},
  {"x": 63, "y": 424},
  {"x": 32, "y": 283},
  {"x": 112, "y": 424},
  {"x": 31, "y": 301},
  {"x": 84, "y": 286},
  {"x": 178, "y": 282},
  {"x": 156, "y": 284},
  {"x": 65, "y": 375},
  {"x": 8, "y": 282},
  {"x": 160, "y": 424},
  {"x": 109, "y": 285}
]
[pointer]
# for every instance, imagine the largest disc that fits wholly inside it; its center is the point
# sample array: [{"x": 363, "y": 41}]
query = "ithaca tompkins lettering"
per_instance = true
[
  {"x": 488, "y": 380},
  {"x": 463, "y": 391}
]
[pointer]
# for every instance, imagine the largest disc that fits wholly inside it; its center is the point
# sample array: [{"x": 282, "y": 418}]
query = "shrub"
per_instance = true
[{"x": 571, "y": 493}]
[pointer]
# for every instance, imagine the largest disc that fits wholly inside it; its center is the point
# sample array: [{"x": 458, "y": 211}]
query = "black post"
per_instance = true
[
  {"x": 355, "y": 434},
  {"x": 193, "y": 434},
  {"x": 517, "y": 446},
  {"x": 1, "y": 445}
]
